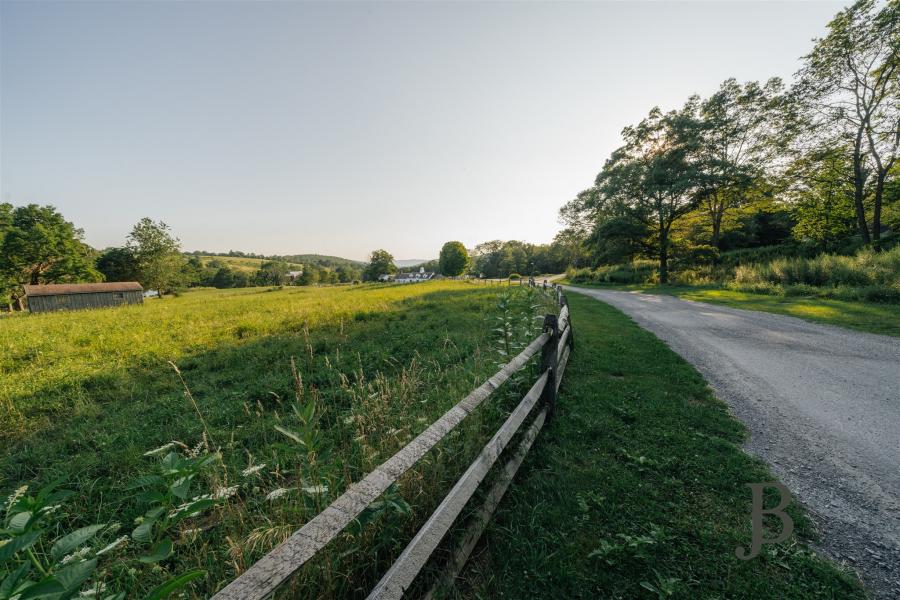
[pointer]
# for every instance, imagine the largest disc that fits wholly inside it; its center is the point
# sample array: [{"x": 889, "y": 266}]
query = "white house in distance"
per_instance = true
[
  {"x": 293, "y": 276},
  {"x": 413, "y": 277}
]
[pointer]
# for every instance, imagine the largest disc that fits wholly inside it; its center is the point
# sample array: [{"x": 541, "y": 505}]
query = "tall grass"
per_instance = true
[
  {"x": 297, "y": 392},
  {"x": 866, "y": 275}
]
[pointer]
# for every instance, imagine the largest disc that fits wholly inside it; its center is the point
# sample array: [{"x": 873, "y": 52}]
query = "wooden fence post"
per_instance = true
[
  {"x": 549, "y": 363},
  {"x": 564, "y": 302}
]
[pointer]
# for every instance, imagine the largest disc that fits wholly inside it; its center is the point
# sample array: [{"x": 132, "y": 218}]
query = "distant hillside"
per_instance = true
[
  {"x": 323, "y": 260},
  {"x": 239, "y": 263},
  {"x": 250, "y": 260},
  {"x": 411, "y": 262}
]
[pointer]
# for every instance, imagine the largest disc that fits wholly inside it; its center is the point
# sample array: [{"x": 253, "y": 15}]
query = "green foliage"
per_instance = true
[
  {"x": 380, "y": 263},
  {"x": 118, "y": 264},
  {"x": 39, "y": 246},
  {"x": 158, "y": 256},
  {"x": 272, "y": 272},
  {"x": 454, "y": 259},
  {"x": 365, "y": 384},
  {"x": 608, "y": 505}
]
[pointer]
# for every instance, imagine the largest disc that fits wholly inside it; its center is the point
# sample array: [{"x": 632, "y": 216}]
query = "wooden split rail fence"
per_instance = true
[{"x": 555, "y": 345}]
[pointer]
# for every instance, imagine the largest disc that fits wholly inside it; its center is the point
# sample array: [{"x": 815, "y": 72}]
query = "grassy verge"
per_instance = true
[
  {"x": 862, "y": 316},
  {"x": 85, "y": 395},
  {"x": 636, "y": 489}
]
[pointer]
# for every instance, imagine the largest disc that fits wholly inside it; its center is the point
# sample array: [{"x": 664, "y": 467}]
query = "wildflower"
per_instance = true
[
  {"x": 14, "y": 497},
  {"x": 191, "y": 532},
  {"x": 195, "y": 451},
  {"x": 227, "y": 492},
  {"x": 253, "y": 470},
  {"x": 277, "y": 493},
  {"x": 160, "y": 450},
  {"x": 78, "y": 554},
  {"x": 315, "y": 490},
  {"x": 115, "y": 544}
]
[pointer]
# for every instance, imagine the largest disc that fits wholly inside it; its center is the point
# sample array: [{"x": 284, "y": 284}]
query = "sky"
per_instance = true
[{"x": 342, "y": 127}]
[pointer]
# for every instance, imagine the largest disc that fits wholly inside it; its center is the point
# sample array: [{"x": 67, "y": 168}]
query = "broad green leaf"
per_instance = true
[
  {"x": 144, "y": 532},
  {"x": 174, "y": 584},
  {"x": 70, "y": 542},
  {"x": 19, "y": 522},
  {"x": 161, "y": 551},
  {"x": 17, "y": 544},
  {"x": 45, "y": 588},
  {"x": 71, "y": 577},
  {"x": 181, "y": 487},
  {"x": 11, "y": 581},
  {"x": 193, "y": 507},
  {"x": 288, "y": 433}
]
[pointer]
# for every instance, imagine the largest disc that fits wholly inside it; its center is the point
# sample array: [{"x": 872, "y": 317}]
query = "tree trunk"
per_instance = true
[
  {"x": 876, "y": 215},
  {"x": 859, "y": 181},
  {"x": 663, "y": 255},
  {"x": 20, "y": 305}
]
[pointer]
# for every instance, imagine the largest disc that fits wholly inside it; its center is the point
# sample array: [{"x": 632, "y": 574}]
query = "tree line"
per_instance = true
[
  {"x": 755, "y": 164},
  {"x": 39, "y": 246}
]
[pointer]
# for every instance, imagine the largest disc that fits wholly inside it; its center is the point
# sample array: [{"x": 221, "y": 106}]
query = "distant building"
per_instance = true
[
  {"x": 293, "y": 276},
  {"x": 74, "y": 296},
  {"x": 413, "y": 277}
]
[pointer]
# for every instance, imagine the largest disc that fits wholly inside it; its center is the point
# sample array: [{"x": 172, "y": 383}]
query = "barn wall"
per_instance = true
[{"x": 83, "y": 301}]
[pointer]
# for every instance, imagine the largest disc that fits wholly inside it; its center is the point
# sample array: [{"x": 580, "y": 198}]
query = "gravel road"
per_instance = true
[{"x": 823, "y": 408}]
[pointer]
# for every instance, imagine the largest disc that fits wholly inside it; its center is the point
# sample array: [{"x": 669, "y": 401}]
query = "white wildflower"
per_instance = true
[
  {"x": 14, "y": 497},
  {"x": 253, "y": 470},
  {"x": 78, "y": 554},
  {"x": 227, "y": 492},
  {"x": 196, "y": 450},
  {"x": 113, "y": 545},
  {"x": 191, "y": 532},
  {"x": 160, "y": 450},
  {"x": 315, "y": 490},
  {"x": 277, "y": 493}
]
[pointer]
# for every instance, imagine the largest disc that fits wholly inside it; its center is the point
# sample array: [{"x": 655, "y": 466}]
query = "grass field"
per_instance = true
[
  {"x": 637, "y": 489},
  {"x": 242, "y": 263},
  {"x": 864, "y": 316},
  {"x": 84, "y": 395}
]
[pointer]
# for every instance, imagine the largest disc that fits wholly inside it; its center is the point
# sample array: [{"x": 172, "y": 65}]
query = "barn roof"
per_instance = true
[{"x": 56, "y": 289}]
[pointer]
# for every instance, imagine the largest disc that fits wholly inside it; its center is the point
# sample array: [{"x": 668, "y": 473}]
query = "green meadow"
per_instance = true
[{"x": 198, "y": 432}]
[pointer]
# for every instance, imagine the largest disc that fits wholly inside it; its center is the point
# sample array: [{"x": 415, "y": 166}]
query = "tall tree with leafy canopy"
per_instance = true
[
  {"x": 118, "y": 264},
  {"x": 380, "y": 263},
  {"x": 653, "y": 175},
  {"x": 158, "y": 255},
  {"x": 822, "y": 196},
  {"x": 39, "y": 246},
  {"x": 849, "y": 85},
  {"x": 735, "y": 129},
  {"x": 453, "y": 259}
]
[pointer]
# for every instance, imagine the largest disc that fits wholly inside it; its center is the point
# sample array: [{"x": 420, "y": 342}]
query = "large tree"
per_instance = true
[
  {"x": 652, "y": 174},
  {"x": 734, "y": 146},
  {"x": 39, "y": 246},
  {"x": 380, "y": 263},
  {"x": 158, "y": 255},
  {"x": 849, "y": 86},
  {"x": 118, "y": 264},
  {"x": 453, "y": 259}
]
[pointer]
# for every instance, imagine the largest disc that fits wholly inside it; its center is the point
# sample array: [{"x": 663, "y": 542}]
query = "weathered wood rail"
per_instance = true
[{"x": 555, "y": 345}]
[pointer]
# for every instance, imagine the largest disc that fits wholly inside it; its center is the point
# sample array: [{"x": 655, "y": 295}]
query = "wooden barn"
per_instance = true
[{"x": 74, "y": 296}]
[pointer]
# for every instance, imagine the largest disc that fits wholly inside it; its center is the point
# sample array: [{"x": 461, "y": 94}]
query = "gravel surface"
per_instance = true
[{"x": 823, "y": 408}]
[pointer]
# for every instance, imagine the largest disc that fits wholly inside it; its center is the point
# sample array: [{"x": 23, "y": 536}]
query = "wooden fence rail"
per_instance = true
[{"x": 276, "y": 567}]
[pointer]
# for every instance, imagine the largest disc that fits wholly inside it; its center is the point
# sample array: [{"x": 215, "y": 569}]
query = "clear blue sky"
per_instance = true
[{"x": 287, "y": 127}]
